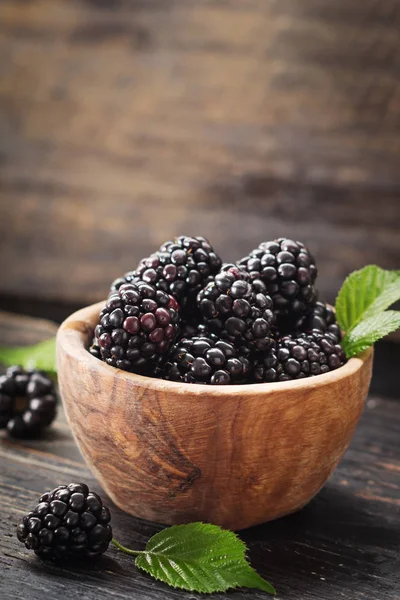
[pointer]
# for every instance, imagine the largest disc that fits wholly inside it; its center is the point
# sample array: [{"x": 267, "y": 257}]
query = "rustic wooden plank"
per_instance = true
[
  {"x": 18, "y": 330},
  {"x": 343, "y": 545},
  {"x": 95, "y": 256},
  {"x": 125, "y": 123}
]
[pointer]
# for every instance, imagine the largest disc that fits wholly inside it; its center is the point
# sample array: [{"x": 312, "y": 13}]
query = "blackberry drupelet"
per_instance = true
[
  {"x": 27, "y": 402},
  {"x": 299, "y": 356},
  {"x": 181, "y": 267},
  {"x": 238, "y": 309},
  {"x": 69, "y": 522},
  {"x": 321, "y": 318},
  {"x": 207, "y": 360},
  {"x": 288, "y": 270},
  {"x": 137, "y": 327},
  {"x": 95, "y": 349}
]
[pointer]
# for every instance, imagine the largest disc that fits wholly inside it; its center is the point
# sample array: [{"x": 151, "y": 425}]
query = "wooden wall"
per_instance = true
[{"x": 125, "y": 122}]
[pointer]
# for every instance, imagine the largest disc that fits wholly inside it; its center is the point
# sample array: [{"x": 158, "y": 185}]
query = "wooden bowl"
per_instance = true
[{"x": 235, "y": 456}]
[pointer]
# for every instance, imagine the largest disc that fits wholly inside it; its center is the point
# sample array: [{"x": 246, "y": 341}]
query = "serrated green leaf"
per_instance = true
[
  {"x": 369, "y": 331},
  {"x": 200, "y": 558},
  {"x": 364, "y": 293},
  {"x": 40, "y": 356}
]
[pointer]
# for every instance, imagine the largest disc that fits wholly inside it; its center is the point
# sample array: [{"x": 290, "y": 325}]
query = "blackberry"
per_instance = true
[
  {"x": 288, "y": 270},
  {"x": 27, "y": 402},
  {"x": 237, "y": 308},
  {"x": 299, "y": 356},
  {"x": 181, "y": 267},
  {"x": 207, "y": 360},
  {"x": 69, "y": 522},
  {"x": 321, "y": 318},
  {"x": 137, "y": 326}
]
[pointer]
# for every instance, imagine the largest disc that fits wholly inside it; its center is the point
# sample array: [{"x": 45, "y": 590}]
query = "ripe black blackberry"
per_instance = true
[
  {"x": 137, "y": 327},
  {"x": 299, "y": 356},
  {"x": 27, "y": 402},
  {"x": 207, "y": 360},
  {"x": 321, "y": 318},
  {"x": 238, "y": 309},
  {"x": 69, "y": 522},
  {"x": 181, "y": 267},
  {"x": 288, "y": 270}
]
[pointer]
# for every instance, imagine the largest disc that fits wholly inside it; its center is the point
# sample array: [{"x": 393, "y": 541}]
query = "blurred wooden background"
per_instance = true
[{"x": 126, "y": 122}]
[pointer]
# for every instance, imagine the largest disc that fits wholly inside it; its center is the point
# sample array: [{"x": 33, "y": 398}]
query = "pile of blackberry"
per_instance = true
[
  {"x": 28, "y": 402},
  {"x": 183, "y": 315}
]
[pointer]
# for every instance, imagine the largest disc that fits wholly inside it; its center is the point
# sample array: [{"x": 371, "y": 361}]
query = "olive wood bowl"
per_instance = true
[{"x": 234, "y": 455}]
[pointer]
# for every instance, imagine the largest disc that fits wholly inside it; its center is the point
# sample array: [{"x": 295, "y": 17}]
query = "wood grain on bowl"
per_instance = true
[{"x": 232, "y": 455}]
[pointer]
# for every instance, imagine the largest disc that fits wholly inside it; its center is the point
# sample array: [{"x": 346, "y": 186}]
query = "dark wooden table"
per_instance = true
[{"x": 344, "y": 544}]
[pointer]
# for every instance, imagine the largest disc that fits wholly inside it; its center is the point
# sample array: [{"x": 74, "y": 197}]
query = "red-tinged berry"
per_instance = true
[
  {"x": 181, "y": 267},
  {"x": 136, "y": 328}
]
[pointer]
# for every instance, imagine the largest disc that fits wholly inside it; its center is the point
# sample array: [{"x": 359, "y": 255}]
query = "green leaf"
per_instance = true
[
  {"x": 369, "y": 331},
  {"x": 364, "y": 293},
  {"x": 40, "y": 356},
  {"x": 200, "y": 558}
]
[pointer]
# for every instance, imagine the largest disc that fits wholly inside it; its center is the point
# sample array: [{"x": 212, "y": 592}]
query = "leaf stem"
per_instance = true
[{"x": 127, "y": 550}]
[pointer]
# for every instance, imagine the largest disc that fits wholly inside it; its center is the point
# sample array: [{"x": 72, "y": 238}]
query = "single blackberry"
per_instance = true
[
  {"x": 27, "y": 402},
  {"x": 69, "y": 522},
  {"x": 321, "y": 318},
  {"x": 299, "y": 356},
  {"x": 207, "y": 360},
  {"x": 181, "y": 267},
  {"x": 137, "y": 326},
  {"x": 238, "y": 309},
  {"x": 288, "y": 270}
]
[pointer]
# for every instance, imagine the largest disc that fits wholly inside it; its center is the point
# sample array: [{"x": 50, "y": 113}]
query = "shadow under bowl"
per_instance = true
[{"x": 234, "y": 455}]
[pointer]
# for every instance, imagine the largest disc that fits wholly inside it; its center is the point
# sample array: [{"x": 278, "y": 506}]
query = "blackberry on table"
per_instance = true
[
  {"x": 181, "y": 267},
  {"x": 68, "y": 522},
  {"x": 321, "y": 318},
  {"x": 137, "y": 326},
  {"x": 299, "y": 356},
  {"x": 237, "y": 308},
  {"x": 207, "y": 360},
  {"x": 27, "y": 402},
  {"x": 288, "y": 270}
]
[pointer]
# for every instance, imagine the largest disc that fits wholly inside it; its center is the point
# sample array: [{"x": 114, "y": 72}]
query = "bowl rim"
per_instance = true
[{"x": 74, "y": 332}]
